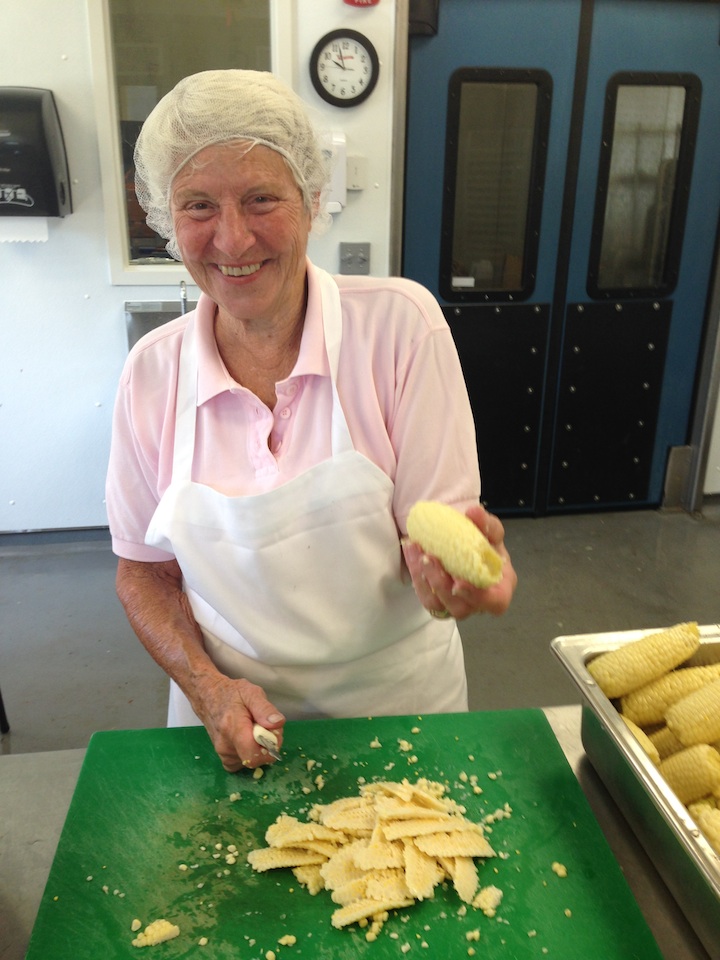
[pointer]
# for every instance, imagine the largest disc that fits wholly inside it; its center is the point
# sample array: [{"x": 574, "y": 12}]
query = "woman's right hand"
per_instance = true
[
  {"x": 160, "y": 614},
  {"x": 229, "y": 709}
]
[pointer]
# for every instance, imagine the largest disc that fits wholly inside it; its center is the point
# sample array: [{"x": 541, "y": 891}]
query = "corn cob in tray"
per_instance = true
[{"x": 674, "y": 712}]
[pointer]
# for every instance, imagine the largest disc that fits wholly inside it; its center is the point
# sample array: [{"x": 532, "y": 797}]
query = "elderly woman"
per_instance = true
[{"x": 268, "y": 446}]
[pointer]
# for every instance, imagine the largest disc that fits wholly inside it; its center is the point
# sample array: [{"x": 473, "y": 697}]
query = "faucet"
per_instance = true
[{"x": 183, "y": 298}]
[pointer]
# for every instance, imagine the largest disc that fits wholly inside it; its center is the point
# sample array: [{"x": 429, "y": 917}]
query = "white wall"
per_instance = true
[
  {"x": 62, "y": 326},
  {"x": 368, "y": 129},
  {"x": 712, "y": 477}
]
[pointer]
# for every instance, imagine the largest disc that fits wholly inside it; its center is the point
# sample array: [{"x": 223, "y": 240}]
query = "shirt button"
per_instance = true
[
  {"x": 292, "y": 389},
  {"x": 285, "y": 413}
]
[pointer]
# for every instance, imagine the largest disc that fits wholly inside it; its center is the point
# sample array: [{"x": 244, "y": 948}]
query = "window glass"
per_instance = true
[
  {"x": 493, "y": 167},
  {"x": 645, "y": 167},
  {"x": 156, "y": 43},
  {"x": 641, "y": 186}
]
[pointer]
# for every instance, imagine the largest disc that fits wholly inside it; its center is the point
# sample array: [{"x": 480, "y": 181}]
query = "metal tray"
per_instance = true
[{"x": 685, "y": 860}]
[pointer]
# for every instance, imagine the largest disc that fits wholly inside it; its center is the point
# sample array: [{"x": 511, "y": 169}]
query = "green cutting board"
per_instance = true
[{"x": 150, "y": 801}]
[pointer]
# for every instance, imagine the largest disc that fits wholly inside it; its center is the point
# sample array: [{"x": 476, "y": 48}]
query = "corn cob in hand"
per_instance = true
[{"x": 461, "y": 548}]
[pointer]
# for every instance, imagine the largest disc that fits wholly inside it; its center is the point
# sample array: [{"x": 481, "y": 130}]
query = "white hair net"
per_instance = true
[{"x": 217, "y": 106}]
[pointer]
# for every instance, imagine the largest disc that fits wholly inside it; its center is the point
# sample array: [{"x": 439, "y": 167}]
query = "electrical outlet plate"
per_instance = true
[{"x": 355, "y": 258}]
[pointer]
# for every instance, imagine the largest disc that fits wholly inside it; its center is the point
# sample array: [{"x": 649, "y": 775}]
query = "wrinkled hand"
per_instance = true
[
  {"x": 229, "y": 709},
  {"x": 438, "y": 591}
]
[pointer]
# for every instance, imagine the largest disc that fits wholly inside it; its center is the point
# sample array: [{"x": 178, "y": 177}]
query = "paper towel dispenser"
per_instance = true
[{"x": 34, "y": 179}]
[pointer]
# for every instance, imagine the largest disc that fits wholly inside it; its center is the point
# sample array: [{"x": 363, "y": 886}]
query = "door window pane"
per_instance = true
[
  {"x": 643, "y": 184},
  {"x": 155, "y": 44},
  {"x": 643, "y": 166},
  {"x": 497, "y": 133}
]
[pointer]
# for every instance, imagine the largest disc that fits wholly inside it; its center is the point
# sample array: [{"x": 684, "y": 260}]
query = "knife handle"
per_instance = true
[{"x": 267, "y": 739}]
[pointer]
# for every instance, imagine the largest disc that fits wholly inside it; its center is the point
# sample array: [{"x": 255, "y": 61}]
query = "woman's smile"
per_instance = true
[
  {"x": 246, "y": 271},
  {"x": 242, "y": 228}
]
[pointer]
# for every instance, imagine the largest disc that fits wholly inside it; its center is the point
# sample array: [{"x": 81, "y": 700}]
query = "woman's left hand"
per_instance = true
[{"x": 442, "y": 595}]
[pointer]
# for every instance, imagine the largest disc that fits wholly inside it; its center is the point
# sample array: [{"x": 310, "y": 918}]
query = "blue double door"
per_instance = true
[{"x": 562, "y": 202}]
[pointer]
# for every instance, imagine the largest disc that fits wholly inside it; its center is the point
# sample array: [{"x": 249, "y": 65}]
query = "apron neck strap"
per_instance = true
[
  {"x": 186, "y": 399},
  {"x": 186, "y": 406},
  {"x": 332, "y": 330}
]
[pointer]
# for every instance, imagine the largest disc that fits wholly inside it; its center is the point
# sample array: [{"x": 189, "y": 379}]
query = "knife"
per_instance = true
[{"x": 266, "y": 739}]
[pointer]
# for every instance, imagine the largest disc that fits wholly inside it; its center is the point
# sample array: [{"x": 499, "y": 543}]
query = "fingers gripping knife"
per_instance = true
[{"x": 267, "y": 739}]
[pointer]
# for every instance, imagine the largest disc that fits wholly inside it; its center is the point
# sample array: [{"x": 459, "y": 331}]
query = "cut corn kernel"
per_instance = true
[
  {"x": 696, "y": 718},
  {"x": 445, "y": 533},
  {"x": 642, "y": 738},
  {"x": 626, "y": 668},
  {"x": 693, "y": 772},
  {"x": 647, "y": 705},
  {"x": 156, "y": 932}
]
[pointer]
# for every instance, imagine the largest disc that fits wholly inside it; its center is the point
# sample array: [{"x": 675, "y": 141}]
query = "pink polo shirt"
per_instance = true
[{"x": 399, "y": 383}]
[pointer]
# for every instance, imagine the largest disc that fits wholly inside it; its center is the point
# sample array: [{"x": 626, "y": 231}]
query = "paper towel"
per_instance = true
[{"x": 23, "y": 229}]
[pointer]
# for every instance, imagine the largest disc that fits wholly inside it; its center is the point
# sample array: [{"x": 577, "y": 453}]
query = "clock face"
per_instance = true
[{"x": 344, "y": 68}]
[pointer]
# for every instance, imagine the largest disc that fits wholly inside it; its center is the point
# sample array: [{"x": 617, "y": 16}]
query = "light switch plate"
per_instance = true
[{"x": 355, "y": 258}]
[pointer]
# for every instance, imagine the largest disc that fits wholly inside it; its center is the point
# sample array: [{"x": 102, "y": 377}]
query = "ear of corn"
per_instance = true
[
  {"x": 647, "y": 704},
  {"x": 461, "y": 548},
  {"x": 674, "y": 716},
  {"x": 696, "y": 718},
  {"x": 693, "y": 772},
  {"x": 665, "y": 742},
  {"x": 700, "y": 806},
  {"x": 626, "y": 668},
  {"x": 709, "y": 822},
  {"x": 643, "y": 739}
]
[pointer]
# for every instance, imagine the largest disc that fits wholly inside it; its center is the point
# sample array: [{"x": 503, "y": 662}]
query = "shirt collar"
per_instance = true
[{"x": 213, "y": 377}]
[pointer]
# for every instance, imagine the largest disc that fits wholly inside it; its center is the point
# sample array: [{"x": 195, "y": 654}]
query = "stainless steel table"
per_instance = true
[
  {"x": 35, "y": 793},
  {"x": 36, "y": 789},
  {"x": 673, "y": 934}
]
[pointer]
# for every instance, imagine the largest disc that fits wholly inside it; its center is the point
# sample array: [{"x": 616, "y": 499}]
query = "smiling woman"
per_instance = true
[{"x": 268, "y": 446}]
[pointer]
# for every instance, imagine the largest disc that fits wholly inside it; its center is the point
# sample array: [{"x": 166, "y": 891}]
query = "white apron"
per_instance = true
[{"x": 299, "y": 589}]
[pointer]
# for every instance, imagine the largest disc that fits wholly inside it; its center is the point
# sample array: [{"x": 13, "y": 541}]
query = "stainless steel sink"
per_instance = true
[{"x": 141, "y": 316}]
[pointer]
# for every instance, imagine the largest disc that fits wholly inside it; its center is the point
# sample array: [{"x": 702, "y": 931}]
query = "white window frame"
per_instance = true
[{"x": 122, "y": 271}]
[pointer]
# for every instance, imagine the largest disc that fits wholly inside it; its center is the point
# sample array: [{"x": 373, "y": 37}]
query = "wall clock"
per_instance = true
[{"x": 344, "y": 67}]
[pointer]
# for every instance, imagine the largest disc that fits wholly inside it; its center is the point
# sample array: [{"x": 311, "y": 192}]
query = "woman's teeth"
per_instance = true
[{"x": 239, "y": 271}]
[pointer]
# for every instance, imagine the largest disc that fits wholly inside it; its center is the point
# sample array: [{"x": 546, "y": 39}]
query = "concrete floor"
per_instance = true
[{"x": 70, "y": 664}]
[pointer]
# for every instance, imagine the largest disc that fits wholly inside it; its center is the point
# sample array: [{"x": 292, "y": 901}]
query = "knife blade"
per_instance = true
[{"x": 267, "y": 739}]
